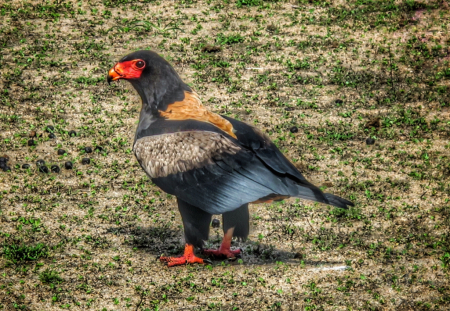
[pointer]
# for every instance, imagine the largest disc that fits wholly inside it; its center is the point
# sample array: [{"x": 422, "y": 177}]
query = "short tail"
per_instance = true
[
  {"x": 338, "y": 201},
  {"x": 308, "y": 191}
]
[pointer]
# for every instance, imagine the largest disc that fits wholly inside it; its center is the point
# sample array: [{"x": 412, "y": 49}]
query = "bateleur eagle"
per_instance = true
[{"x": 213, "y": 164}]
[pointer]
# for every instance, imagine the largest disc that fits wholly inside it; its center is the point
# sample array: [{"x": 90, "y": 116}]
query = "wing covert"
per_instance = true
[{"x": 166, "y": 154}]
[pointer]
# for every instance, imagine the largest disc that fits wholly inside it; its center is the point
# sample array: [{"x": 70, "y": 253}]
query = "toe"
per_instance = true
[
  {"x": 163, "y": 258},
  {"x": 237, "y": 251},
  {"x": 176, "y": 262}
]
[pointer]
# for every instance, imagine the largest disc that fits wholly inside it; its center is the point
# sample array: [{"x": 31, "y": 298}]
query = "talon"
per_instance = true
[
  {"x": 163, "y": 258},
  {"x": 207, "y": 261}
]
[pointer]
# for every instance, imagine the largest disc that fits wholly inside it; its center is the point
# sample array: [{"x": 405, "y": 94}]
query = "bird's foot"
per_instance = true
[
  {"x": 223, "y": 252},
  {"x": 178, "y": 261},
  {"x": 187, "y": 258}
]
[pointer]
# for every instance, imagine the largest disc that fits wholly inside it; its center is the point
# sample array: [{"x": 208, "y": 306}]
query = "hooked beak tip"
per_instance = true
[{"x": 112, "y": 76}]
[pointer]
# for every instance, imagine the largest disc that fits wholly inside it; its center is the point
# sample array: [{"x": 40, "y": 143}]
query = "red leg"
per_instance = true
[
  {"x": 224, "y": 251},
  {"x": 188, "y": 257}
]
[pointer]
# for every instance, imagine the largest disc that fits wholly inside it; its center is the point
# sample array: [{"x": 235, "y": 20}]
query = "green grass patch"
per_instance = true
[{"x": 17, "y": 253}]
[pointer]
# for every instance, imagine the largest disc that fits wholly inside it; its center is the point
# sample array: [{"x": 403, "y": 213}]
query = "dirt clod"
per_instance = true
[
  {"x": 211, "y": 48},
  {"x": 375, "y": 122}
]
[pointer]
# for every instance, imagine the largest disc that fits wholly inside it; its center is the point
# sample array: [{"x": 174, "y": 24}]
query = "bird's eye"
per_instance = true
[{"x": 140, "y": 64}]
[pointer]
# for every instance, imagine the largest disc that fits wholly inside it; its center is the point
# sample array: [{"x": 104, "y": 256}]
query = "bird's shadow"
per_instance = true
[{"x": 164, "y": 240}]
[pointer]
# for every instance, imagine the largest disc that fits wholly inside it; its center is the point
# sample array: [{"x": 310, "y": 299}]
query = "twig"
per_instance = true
[
  {"x": 423, "y": 194},
  {"x": 142, "y": 294}
]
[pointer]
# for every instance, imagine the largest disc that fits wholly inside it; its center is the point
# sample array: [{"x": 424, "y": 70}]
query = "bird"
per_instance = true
[{"x": 211, "y": 163}]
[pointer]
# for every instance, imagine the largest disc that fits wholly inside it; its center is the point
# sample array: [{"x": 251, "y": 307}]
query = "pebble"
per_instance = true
[
  {"x": 4, "y": 166},
  {"x": 215, "y": 223},
  {"x": 43, "y": 169},
  {"x": 72, "y": 133},
  {"x": 61, "y": 151},
  {"x": 370, "y": 141},
  {"x": 68, "y": 165},
  {"x": 49, "y": 129},
  {"x": 25, "y": 166},
  {"x": 85, "y": 161},
  {"x": 31, "y": 142},
  {"x": 294, "y": 129},
  {"x": 40, "y": 162},
  {"x": 88, "y": 149},
  {"x": 55, "y": 169},
  {"x": 51, "y": 136}
]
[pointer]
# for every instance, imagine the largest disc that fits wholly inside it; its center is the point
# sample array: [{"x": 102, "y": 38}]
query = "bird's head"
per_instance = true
[
  {"x": 152, "y": 76},
  {"x": 133, "y": 66}
]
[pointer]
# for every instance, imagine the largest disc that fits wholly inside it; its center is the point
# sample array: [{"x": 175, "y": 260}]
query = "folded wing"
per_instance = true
[{"x": 215, "y": 172}]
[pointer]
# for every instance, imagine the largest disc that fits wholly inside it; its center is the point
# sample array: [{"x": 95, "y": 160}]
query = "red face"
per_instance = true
[{"x": 131, "y": 69}]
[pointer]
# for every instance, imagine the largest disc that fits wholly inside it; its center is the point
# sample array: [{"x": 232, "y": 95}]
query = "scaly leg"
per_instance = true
[
  {"x": 188, "y": 257},
  {"x": 224, "y": 251}
]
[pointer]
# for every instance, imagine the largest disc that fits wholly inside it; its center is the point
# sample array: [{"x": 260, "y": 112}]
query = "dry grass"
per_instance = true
[{"x": 340, "y": 71}]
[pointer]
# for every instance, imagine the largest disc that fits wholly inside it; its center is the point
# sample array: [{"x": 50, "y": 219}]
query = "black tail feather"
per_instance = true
[
  {"x": 308, "y": 191},
  {"x": 338, "y": 201}
]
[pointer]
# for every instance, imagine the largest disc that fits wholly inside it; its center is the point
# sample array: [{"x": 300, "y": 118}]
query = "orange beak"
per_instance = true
[{"x": 113, "y": 75}]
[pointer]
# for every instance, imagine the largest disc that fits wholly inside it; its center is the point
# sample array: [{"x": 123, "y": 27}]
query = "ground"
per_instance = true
[{"x": 354, "y": 92}]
